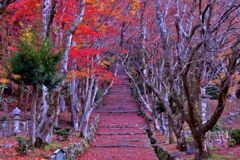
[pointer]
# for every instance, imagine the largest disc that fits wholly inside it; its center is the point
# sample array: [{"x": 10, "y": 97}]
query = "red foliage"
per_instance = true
[
  {"x": 26, "y": 10},
  {"x": 78, "y": 53}
]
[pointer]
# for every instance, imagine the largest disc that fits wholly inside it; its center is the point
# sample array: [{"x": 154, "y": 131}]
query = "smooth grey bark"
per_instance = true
[
  {"x": 33, "y": 115},
  {"x": 86, "y": 110},
  {"x": 70, "y": 33},
  {"x": 62, "y": 103},
  {"x": 84, "y": 122},
  {"x": 170, "y": 131},
  {"x": 75, "y": 104}
]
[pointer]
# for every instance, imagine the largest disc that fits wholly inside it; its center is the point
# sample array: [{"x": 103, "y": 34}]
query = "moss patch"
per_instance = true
[
  {"x": 52, "y": 146},
  {"x": 220, "y": 157}
]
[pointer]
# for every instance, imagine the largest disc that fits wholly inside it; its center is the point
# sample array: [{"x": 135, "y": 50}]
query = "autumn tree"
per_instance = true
[{"x": 201, "y": 33}]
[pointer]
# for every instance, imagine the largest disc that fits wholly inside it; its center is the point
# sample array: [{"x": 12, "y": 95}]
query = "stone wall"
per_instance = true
[
  {"x": 78, "y": 148},
  {"x": 161, "y": 153}
]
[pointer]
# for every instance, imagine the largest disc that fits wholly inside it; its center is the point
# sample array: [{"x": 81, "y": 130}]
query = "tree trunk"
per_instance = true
[
  {"x": 170, "y": 131},
  {"x": 181, "y": 140},
  {"x": 33, "y": 114},
  {"x": 87, "y": 110},
  {"x": 62, "y": 103},
  {"x": 74, "y": 117},
  {"x": 26, "y": 101},
  {"x": 61, "y": 108},
  {"x": 162, "y": 126},
  {"x": 84, "y": 123},
  {"x": 5, "y": 107},
  {"x": 56, "y": 117},
  {"x": 20, "y": 96},
  {"x": 156, "y": 125},
  {"x": 45, "y": 108},
  {"x": 45, "y": 130},
  {"x": 202, "y": 151},
  {"x": 75, "y": 104}
]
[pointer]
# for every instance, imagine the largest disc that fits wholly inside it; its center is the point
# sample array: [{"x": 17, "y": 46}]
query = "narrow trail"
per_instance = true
[{"x": 120, "y": 134}]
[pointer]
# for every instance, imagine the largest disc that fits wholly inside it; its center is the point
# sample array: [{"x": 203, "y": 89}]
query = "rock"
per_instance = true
[
  {"x": 80, "y": 147},
  {"x": 178, "y": 154},
  {"x": 230, "y": 122},
  {"x": 231, "y": 117},
  {"x": 7, "y": 146},
  {"x": 191, "y": 148},
  {"x": 52, "y": 157}
]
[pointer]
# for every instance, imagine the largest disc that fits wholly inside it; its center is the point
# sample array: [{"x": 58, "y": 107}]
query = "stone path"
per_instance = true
[{"x": 120, "y": 134}]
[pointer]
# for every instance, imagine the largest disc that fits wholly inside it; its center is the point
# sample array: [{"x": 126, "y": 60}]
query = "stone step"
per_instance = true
[
  {"x": 121, "y": 145},
  {"x": 114, "y": 111},
  {"x": 126, "y": 133}
]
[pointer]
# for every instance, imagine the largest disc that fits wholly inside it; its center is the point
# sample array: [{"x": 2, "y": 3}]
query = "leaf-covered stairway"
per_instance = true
[{"x": 120, "y": 134}]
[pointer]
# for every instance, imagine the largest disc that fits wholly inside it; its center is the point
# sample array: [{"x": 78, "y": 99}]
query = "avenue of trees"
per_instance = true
[{"x": 68, "y": 52}]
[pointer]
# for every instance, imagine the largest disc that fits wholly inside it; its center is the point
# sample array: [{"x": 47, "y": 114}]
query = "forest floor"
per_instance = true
[
  {"x": 7, "y": 145},
  {"x": 120, "y": 135}
]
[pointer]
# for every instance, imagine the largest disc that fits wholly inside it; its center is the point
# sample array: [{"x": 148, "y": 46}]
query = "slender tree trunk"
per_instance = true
[
  {"x": 5, "y": 107},
  {"x": 170, "y": 131},
  {"x": 84, "y": 122},
  {"x": 26, "y": 101},
  {"x": 156, "y": 125},
  {"x": 75, "y": 104},
  {"x": 33, "y": 114},
  {"x": 20, "y": 98},
  {"x": 61, "y": 108},
  {"x": 155, "y": 118},
  {"x": 162, "y": 126},
  {"x": 57, "y": 113},
  {"x": 87, "y": 110},
  {"x": 62, "y": 103}
]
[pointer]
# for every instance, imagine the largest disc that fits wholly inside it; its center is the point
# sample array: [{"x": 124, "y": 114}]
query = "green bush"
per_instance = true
[
  {"x": 56, "y": 128},
  {"x": 212, "y": 91},
  {"x": 64, "y": 133},
  {"x": 52, "y": 146},
  {"x": 22, "y": 147},
  {"x": 217, "y": 127},
  {"x": 189, "y": 139},
  {"x": 4, "y": 118},
  {"x": 235, "y": 134},
  {"x": 232, "y": 143}
]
